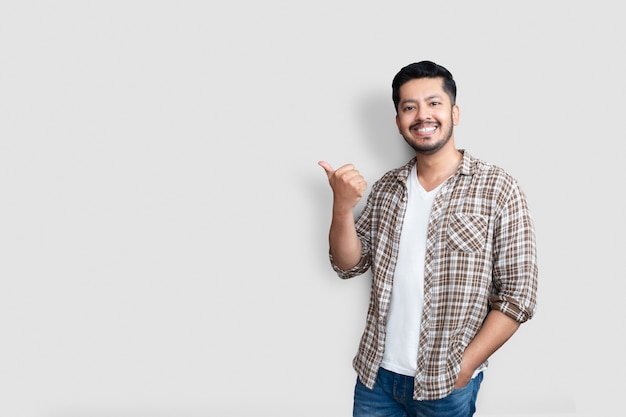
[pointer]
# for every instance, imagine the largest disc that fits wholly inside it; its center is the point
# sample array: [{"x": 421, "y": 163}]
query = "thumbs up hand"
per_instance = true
[{"x": 347, "y": 183}]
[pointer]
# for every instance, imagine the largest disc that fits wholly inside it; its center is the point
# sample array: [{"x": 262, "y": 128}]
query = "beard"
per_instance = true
[{"x": 430, "y": 147}]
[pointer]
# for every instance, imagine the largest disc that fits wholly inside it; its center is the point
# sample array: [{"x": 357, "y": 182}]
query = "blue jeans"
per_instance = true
[{"x": 392, "y": 396}]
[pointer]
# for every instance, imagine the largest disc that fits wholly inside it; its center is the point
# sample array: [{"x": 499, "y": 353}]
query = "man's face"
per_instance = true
[{"x": 426, "y": 115}]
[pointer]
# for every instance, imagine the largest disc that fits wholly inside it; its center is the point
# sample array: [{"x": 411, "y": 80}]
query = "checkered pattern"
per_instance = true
[{"x": 480, "y": 256}]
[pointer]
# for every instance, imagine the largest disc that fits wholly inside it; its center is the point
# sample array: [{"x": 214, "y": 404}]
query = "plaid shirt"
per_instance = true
[{"x": 480, "y": 256}]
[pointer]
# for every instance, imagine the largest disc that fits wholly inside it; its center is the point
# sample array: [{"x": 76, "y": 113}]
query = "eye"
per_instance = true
[
  {"x": 409, "y": 108},
  {"x": 435, "y": 103}
]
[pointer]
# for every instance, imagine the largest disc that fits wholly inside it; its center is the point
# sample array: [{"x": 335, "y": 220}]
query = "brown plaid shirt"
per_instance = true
[{"x": 480, "y": 256}]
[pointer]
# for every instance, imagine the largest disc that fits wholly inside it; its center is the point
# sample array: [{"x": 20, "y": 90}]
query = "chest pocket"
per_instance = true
[{"x": 467, "y": 232}]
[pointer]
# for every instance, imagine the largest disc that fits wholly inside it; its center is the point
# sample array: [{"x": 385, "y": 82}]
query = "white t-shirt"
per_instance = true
[{"x": 407, "y": 295}]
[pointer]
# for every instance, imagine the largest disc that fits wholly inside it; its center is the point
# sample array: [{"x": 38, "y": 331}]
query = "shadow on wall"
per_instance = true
[
  {"x": 376, "y": 118},
  {"x": 383, "y": 149}
]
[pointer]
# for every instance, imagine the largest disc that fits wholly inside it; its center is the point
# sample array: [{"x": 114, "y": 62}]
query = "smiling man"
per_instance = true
[{"x": 451, "y": 246}]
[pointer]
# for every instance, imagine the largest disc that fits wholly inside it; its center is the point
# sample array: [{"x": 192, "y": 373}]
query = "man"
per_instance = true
[{"x": 451, "y": 246}]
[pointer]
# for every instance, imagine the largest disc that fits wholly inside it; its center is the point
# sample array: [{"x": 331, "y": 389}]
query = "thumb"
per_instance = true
[{"x": 329, "y": 170}]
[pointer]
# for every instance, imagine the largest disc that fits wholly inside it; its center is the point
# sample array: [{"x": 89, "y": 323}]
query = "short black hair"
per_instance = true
[{"x": 423, "y": 69}]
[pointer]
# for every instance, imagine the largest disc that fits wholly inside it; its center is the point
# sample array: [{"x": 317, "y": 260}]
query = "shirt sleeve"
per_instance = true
[
  {"x": 515, "y": 258},
  {"x": 358, "y": 269}
]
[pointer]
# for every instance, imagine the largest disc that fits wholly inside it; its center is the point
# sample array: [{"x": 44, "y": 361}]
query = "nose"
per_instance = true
[{"x": 422, "y": 113}]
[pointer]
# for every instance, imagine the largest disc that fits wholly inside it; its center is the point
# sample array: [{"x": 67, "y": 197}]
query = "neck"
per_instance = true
[{"x": 433, "y": 169}]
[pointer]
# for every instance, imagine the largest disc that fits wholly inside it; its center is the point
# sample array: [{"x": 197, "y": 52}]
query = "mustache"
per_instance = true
[{"x": 422, "y": 122}]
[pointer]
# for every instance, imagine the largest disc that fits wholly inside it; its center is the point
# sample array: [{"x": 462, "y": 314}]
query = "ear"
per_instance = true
[
  {"x": 456, "y": 113},
  {"x": 398, "y": 123}
]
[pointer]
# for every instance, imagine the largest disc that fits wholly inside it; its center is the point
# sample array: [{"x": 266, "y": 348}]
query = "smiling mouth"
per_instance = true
[{"x": 424, "y": 130}]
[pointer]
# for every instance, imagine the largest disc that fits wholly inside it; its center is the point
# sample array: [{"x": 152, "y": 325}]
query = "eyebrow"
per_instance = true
[{"x": 431, "y": 97}]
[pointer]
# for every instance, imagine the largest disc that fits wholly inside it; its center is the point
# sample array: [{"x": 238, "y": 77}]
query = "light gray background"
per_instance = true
[{"x": 163, "y": 228}]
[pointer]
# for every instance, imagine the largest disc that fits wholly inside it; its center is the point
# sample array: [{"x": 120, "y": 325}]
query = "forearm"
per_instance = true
[
  {"x": 345, "y": 246},
  {"x": 496, "y": 330},
  {"x": 348, "y": 187}
]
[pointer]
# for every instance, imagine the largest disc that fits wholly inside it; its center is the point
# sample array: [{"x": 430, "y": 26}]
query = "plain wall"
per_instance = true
[{"x": 163, "y": 227}]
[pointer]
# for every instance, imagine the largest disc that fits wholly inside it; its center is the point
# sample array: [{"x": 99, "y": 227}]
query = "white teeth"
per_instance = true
[{"x": 426, "y": 129}]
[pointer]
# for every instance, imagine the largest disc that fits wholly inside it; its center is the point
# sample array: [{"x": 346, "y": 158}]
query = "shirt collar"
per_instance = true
[{"x": 467, "y": 166}]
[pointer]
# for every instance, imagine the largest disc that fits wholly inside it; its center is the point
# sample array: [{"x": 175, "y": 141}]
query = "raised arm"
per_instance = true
[{"x": 348, "y": 187}]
